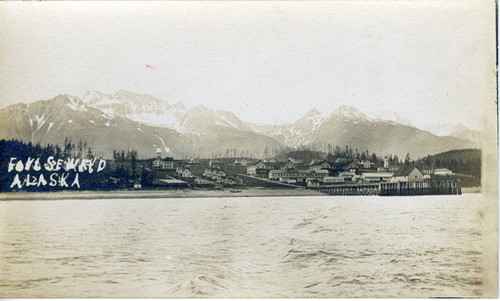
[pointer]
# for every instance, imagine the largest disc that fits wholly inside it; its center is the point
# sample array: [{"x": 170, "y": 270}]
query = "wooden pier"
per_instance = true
[{"x": 436, "y": 187}]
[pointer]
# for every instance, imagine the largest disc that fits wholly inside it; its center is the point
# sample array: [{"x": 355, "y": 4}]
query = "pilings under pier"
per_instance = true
[
  {"x": 369, "y": 189},
  {"x": 435, "y": 187},
  {"x": 393, "y": 189}
]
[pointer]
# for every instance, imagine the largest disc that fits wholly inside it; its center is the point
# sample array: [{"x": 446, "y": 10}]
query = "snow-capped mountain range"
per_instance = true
[
  {"x": 154, "y": 111},
  {"x": 142, "y": 108},
  {"x": 151, "y": 110},
  {"x": 302, "y": 132},
  {"x": 129, "y": 120}
]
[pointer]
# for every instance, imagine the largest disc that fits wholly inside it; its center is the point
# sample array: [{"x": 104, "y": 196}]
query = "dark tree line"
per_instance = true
[
  {"x": 466, "y": 161},
  {"x": 120, "y": 173},
  {"x": 124, "y": 156}
]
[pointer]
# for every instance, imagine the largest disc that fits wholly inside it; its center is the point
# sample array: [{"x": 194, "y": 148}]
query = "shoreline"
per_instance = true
[
  {"x": 150, "y": 194},
  {"x": 166, "y": 194}
]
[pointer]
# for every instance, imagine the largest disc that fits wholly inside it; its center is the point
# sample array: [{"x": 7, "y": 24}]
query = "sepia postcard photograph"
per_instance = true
[{"x": 226, "y": 149}]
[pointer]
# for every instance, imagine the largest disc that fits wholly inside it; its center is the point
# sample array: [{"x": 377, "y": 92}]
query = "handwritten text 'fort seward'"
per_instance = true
[{"x": 60, "y": 173}]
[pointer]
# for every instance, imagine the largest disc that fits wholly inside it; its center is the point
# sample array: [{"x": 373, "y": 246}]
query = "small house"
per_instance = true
[
  {"x": 289, "y": 165},
  {"x": 408, "y": 174},
  {"x": 164, "y": 164},
  {"x": 366, "y": 164},
  {"x": 313, "y": 183},
  {"x": 186, "y": 173},
  {"x": 261, "y": 168},
  {"x": 258, "y": 168},
  {"x": 200, "y": 181}
]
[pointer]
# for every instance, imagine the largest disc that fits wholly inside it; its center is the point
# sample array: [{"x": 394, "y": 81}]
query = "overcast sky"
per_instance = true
[{"x": 432, "y": 62}]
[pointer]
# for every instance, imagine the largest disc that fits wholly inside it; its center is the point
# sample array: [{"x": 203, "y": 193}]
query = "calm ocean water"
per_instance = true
[{"x": 242, "y": 247}]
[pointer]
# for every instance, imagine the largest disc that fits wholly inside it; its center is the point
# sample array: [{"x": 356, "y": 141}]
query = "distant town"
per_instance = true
[
  {"x": 344, "y": 175},
  {"x": 343, "y": 172}
]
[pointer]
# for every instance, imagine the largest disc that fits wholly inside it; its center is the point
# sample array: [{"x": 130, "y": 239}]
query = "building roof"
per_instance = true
[
  {"x": 377, "y": 174},
  {"x": 441, "y": 169},
  {"x": 315, "y": 167},
  {"x": 347, "y": 173},
  {"x": 280, "y": 171},
  {"x": 405, "y": 171},
  {"x": 316, "y": 171},
  {"x": 257, "y": 162}
]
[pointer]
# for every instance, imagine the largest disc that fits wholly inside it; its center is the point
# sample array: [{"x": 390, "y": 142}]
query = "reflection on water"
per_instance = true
[{"x": 241, "y": 247}]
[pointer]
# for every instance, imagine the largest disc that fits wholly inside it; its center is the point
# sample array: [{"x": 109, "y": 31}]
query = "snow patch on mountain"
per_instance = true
[
  {"x": 50, "y": 126},
  {"x": 40, "y": 121},
  {"x": 167, "y": 119},
  {"x": 226, "y": 119},
  {"x": 167, "y": 149},
  {"x": 76, "y": 104},
  {"x": 108, "y": 113}
]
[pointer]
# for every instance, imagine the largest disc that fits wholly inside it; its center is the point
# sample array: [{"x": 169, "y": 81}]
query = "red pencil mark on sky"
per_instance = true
[{"x": 151, "y": 67}]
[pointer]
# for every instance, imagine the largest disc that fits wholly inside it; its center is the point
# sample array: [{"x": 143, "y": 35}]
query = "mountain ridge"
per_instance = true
[
  {"x": 64, "y": 116},
  {"x": 203, "y": 131}
]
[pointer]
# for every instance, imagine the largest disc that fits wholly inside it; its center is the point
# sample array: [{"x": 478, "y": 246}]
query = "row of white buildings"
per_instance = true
[
  {"x": 262, "y": 168},
  {"x": 319, "y": 177}
]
